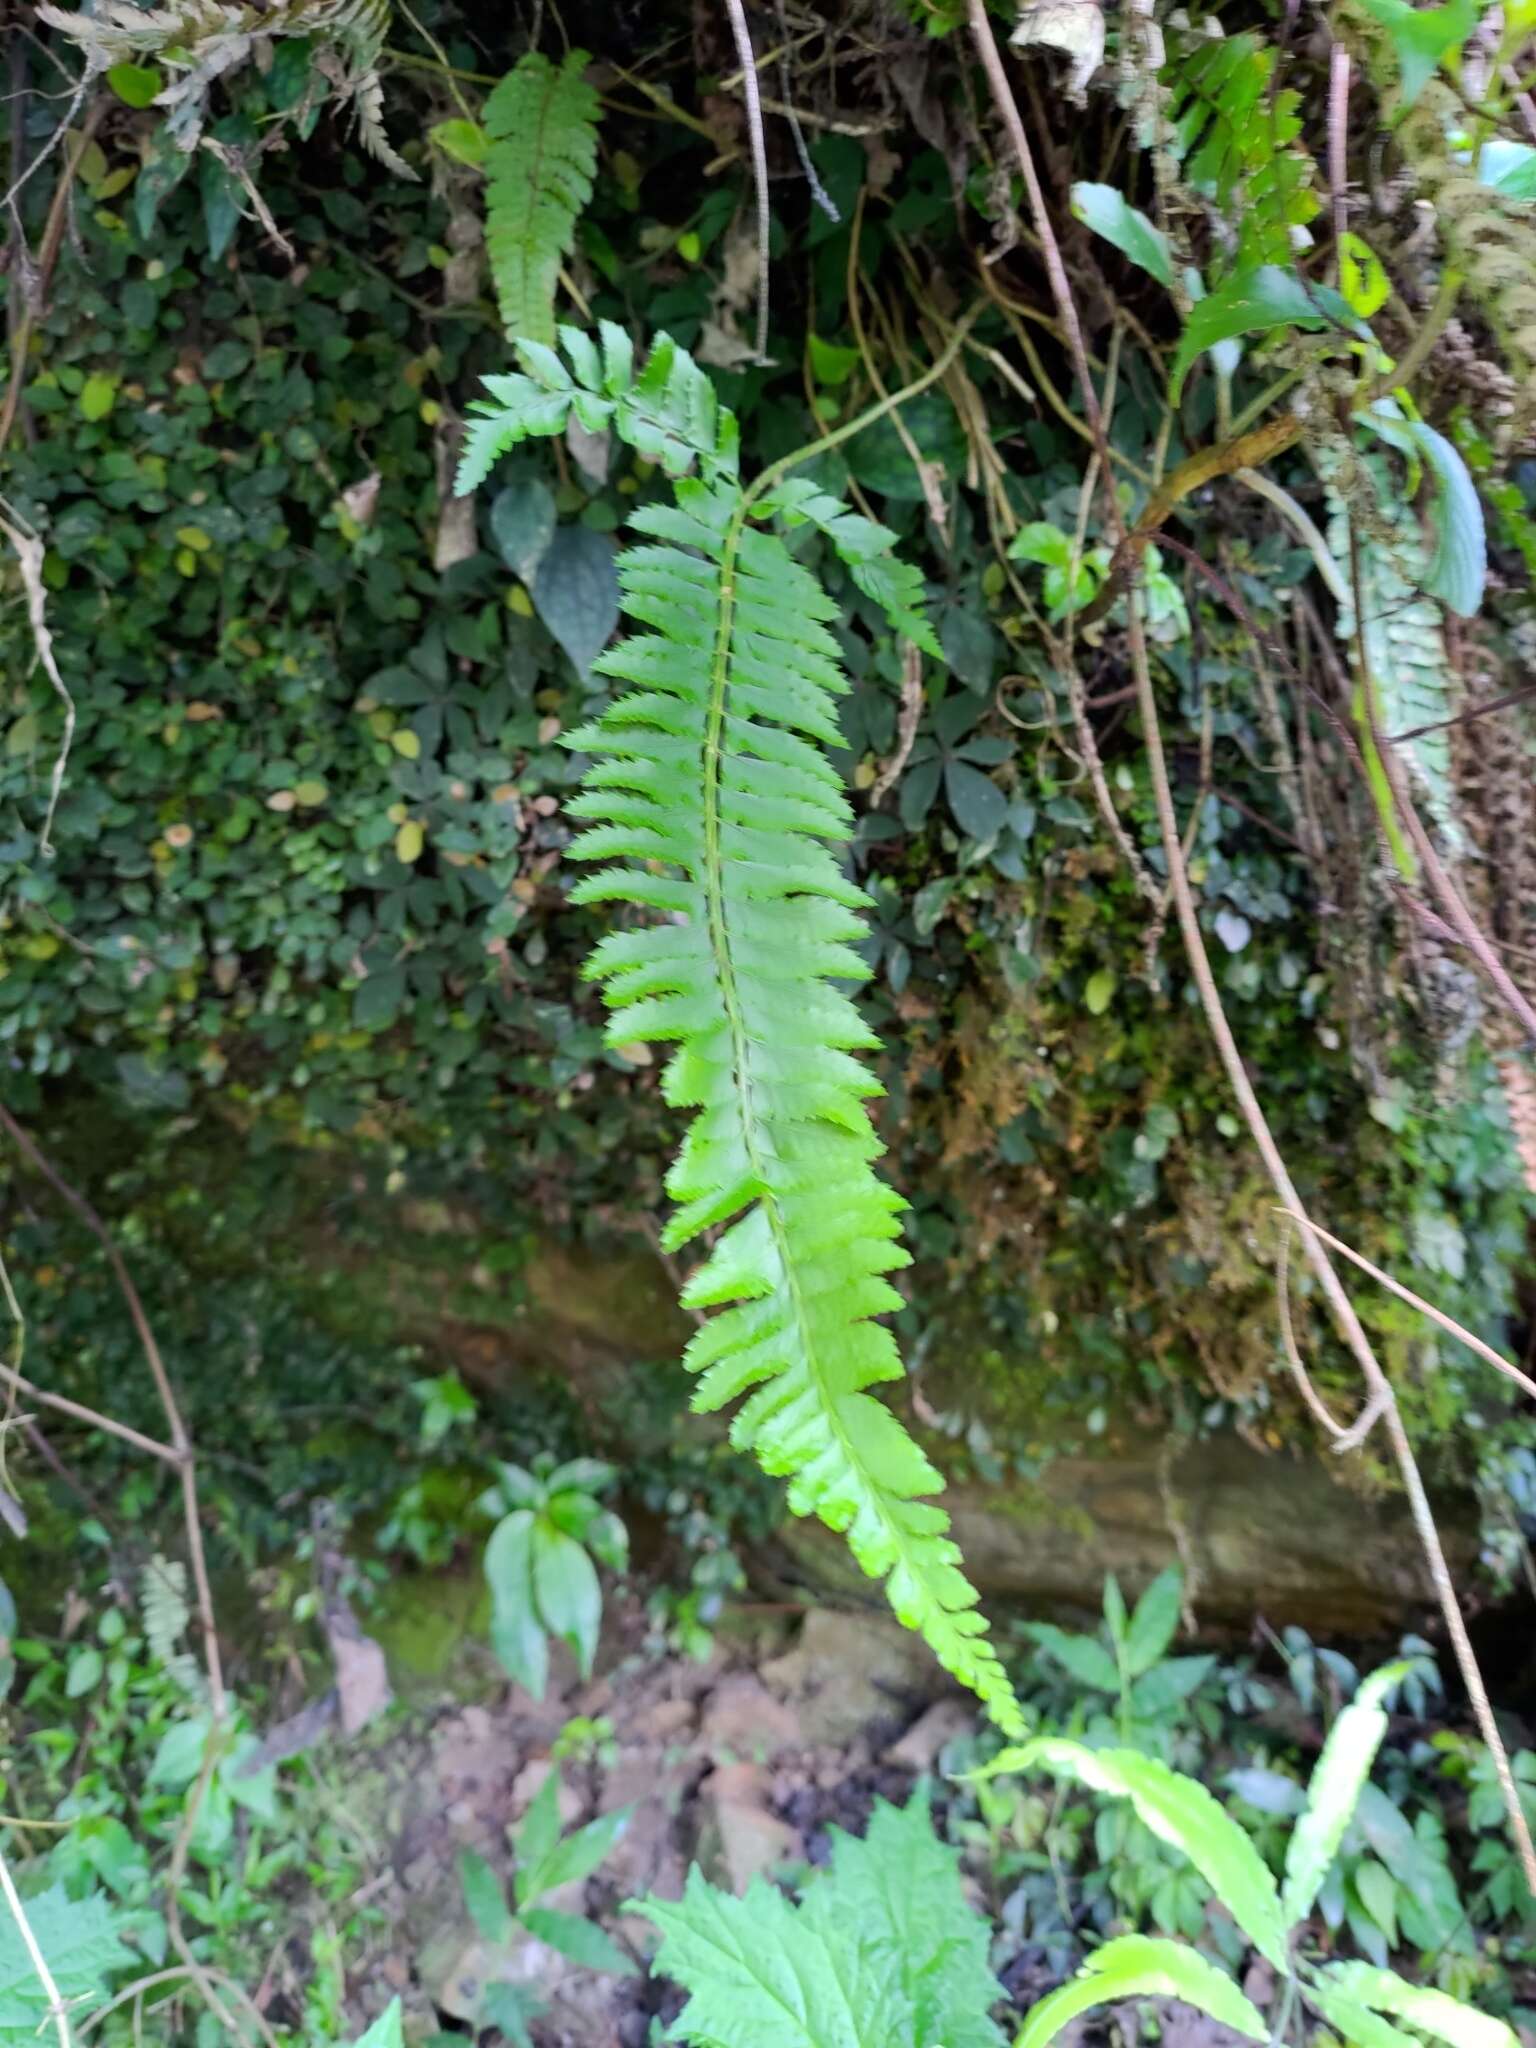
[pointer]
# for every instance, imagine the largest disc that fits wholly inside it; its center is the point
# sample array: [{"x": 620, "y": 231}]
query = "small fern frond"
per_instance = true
[
  {"x": 541, "y": 122},
  {"x": 865, "y": 547},
  {"x": 669, "y": 413},
  {"x": 1235, "y": 136}
]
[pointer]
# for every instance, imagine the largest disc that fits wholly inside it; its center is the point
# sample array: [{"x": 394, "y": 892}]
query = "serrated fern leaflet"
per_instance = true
[
  {"x": 714, "y": 799},
  {"x": 541, "y": 122}
]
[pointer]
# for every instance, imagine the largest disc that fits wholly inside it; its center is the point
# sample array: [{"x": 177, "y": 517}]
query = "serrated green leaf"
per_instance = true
[
  {"x": 1138, "y": 1966},
  {"x": 541, "y": 130},
  {"x": 756, "y": 1972},
  {"x": 1342, "y": 1769},
  {"x": 899, "y": 1886},
  {"x": 1107, "y": 212},
  {"x": 79, "y": 1940},
  {"x": 1178, "y": 1811}
]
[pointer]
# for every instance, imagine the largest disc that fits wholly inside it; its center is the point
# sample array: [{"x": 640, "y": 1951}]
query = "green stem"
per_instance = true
[{"x": 777, "y": 471}]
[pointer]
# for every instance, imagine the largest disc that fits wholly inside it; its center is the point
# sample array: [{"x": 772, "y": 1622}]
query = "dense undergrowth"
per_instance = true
[{"x": 887, "y": 708}]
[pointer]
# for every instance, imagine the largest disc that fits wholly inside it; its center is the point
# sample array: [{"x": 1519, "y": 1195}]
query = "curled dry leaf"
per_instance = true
[{"x": 1075, "y": 27}]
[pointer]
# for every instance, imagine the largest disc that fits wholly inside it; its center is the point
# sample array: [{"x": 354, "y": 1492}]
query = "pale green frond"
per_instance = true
[
  {"x": 1180, "y": 1812},
  {"x": 711, "y": 789},
  {"x": 541, "y": 122},
  {"x": 1334, "y": 1792},
  {"x": 1434, "y": 2012},
  {"x": 1139, "y": 1966}
]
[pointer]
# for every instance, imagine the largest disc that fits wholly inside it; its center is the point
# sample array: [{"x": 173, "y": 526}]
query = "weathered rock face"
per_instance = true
[{"x": 1282, "y": 1534}]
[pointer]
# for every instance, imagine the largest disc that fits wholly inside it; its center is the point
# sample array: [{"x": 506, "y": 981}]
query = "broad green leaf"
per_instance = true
[
  {"x": 386, "y": 2031},
  {"x": 97, "y": 397},
  {"x": 1509, "y": 167},
  {"x": 566, "y": 1592},
  {"x": 1458, "y": 2025},
  {"x": 582, "y": 1940},
  {"x": 1115, "y": 1617},
  {"x": 179, "y": 1756},
  {"x": 1156, "y": 1620},
  {"x": 517, "y": 1634},
  {"x": 522, "y": 522},
  {"x": 79, "y": 1940},
  {"x": 1180, "y": 1812},
  {"x": 1167, "y": 1683},
  {"x": 831, "y": 363},
  {"x": 484, "y": 1897},
  {"x": 1098, "y": 994},
  {"x": 1254, "y": 302},
  {"x": 1342, "y": 1769},
  {"x": 136, "y": 85},
  {"x": 1422, "y": 37},
  {"x": 1084, "y": 1656},
  {"x": 980, "y": 808},
  {"x": 1039, "y": 541},
  {"x": 464, "y": 141},
  {"x": 1106, "y": 211},
  {"x": 1458, "y": 568},
  {"x": 586, "y": 1475},
  {"x": 84, "y": 1673},
  {"x": 573, "y": 1857},
  {"x": 575, "y": 591},
  {"x": 1377, "y": 1890},
  {"x": 1139, "y": 1966}
]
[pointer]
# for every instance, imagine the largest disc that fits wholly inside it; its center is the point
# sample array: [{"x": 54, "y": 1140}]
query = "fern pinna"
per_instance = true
[{"x": 713, "y": 800}]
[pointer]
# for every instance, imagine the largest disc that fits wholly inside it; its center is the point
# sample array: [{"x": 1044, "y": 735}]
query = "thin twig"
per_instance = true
[
  {"x": 906, "y": 720},
  {"x": 1436, "y": 1315},
  {"x": 754, "y": 107}
]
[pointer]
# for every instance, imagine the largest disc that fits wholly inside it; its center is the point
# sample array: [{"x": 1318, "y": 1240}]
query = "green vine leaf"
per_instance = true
[
  {"x": 1257, "y": 302},
  {"x": 1108, "y": 213}
]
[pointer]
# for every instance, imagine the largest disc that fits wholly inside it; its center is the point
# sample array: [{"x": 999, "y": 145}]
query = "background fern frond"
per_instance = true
[
  {"x": 542, "y": 125},
  {"x": 165, "y": 1611}
]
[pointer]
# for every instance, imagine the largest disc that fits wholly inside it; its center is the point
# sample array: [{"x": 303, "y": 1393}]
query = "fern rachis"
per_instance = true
[{"x": 711, "y": 786}]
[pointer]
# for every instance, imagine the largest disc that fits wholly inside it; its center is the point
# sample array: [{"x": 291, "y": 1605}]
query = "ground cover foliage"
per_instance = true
[{"x": 1158, "y": 599}]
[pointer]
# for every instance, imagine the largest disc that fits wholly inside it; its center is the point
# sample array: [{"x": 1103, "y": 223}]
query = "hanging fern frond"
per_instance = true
[
  {"x": 542, "y": 125},
  {"x": 711, "y": 800},
  {"x": 1235, "y": 136}
]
